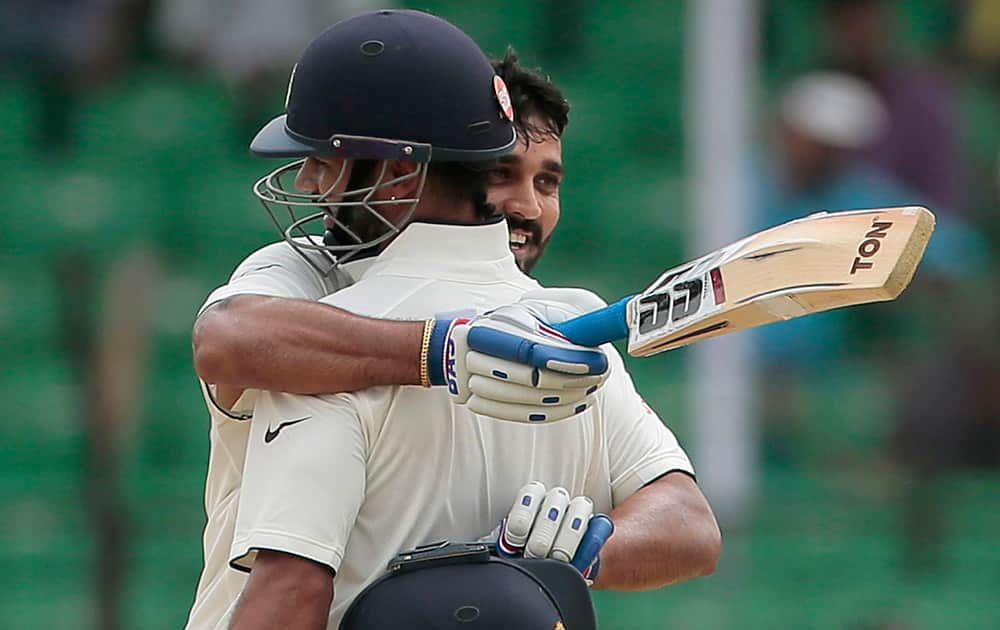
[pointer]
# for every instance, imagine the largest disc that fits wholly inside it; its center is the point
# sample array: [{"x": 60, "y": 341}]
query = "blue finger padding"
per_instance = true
[
  {"x": 597, "y": 327},
  {"x": 537, "y": 417},
  {"x": 598, "y": 531},
  {"x": 499, "y": 374},
  {"x": 505, "y": 345},
  {"x": 553, "y": 514},
  {"x": 526, "y": 501},
  {"x": 580, "y": 408},
  {"x": 550, "y": 400},
  {"x": 577, "y": 522},
  {"x": 500, "y": 344}
]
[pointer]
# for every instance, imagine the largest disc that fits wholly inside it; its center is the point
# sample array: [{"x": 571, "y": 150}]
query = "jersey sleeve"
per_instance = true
[
  {"x": 303, "y": 480},
  {"x": 278, "y": 270},
  {"x": 640, "y": 446}
]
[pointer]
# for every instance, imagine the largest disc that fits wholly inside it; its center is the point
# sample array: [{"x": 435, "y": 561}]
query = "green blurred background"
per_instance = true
[{"x": 127, "y": 174}]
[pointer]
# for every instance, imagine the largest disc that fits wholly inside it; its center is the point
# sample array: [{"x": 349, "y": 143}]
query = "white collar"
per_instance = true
[
  {"x": 448, "y": 247},
  {"x": 357, "y": 267}
]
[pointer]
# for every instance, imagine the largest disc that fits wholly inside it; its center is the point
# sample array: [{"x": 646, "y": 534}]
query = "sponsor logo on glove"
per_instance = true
[{"x": 450, "y": 356}]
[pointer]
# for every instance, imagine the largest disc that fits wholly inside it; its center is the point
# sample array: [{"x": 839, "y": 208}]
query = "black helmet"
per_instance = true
[
  {"x": 384, "y": 85},
  {"x": 401, "y": 76}
]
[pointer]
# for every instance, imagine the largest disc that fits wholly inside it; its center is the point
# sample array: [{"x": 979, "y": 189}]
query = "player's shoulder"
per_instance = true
[
  {"x": 616, "y": 363},
  {"x": 279, "y": 270},
  {"x": 282, "y": 254},
  {"x": 366, "y": 410},
  {"x": 619, "y": 390},
  {"x": 570, "y": 301},
  {"x": 514, "y": 276}
]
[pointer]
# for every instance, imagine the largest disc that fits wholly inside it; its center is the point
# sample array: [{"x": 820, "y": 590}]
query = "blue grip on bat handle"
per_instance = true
[
  {"x": 599, "y": 529},
  {"x": 601, "y": 326}
]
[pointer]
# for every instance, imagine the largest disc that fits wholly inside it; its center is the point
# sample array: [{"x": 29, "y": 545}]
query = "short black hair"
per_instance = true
[{"x": 534, "y": 96}]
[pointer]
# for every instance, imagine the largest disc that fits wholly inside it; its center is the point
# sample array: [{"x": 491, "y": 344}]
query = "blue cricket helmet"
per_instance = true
[{"x": 387, "y": 80}]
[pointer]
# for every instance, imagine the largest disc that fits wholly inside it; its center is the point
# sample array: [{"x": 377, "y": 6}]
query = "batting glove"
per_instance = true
[
  {"x": 551, "y": 525},
  {"x": 511, "y": 365}
]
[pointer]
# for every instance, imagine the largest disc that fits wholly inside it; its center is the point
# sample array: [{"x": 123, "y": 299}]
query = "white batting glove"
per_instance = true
[
  {"x": 509, "y": 364},
  {"x": 551, "y": 525}
]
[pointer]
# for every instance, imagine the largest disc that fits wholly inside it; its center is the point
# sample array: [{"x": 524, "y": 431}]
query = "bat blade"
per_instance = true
[{"x": 820, "y": 262}]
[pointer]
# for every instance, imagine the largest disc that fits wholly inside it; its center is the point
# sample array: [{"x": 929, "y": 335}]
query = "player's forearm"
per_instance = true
[
  {"x": 664, "y": 534},
  {"x": 284, "y": 591},
  {"x": 302, "y": 347}
]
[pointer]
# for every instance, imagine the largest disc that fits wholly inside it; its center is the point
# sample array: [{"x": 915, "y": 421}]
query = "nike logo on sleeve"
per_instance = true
[{"x": 273, "y": 433}]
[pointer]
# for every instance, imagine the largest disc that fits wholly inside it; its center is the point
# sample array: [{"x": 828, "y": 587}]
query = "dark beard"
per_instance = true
[
  {"x": 529, "y": 263},
  {"x": 357, "y": 219},
  {"x": 535, "y": 240}
]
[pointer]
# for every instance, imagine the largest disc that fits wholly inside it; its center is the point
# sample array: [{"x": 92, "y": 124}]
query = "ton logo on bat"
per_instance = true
[{"x": 870, "y": 246}]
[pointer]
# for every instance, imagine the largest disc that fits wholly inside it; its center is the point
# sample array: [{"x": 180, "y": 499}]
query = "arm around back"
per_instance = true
[
  {"x": 302, "y": 347},
  {"x": 665, "y": 533}
]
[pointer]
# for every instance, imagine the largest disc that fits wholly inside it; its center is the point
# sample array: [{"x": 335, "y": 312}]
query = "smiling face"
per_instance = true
[{"x": 525, "y": 188}]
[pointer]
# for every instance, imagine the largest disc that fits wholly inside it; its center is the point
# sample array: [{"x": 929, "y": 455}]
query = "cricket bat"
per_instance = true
[{"x": 820, "y": 262}]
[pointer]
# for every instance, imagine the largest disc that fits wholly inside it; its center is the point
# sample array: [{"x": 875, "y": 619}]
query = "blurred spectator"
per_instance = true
[
  {"x": 920, "y": 147},
  {"x": 823, "y": 121},
  {"x": 942, "y": 345},
  {"x": 947, "y": 403},
  {"x": 251, "y": 44},
  {"x": 60, "y": 46}
]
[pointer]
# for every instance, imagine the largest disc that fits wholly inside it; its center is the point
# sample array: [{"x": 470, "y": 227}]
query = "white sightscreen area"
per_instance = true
[{"x": 721, "y": 56}]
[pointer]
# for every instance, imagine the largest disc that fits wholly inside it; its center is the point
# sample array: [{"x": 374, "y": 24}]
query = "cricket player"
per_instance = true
[
  {"x": 392, "y": 467},
  {"x": 259, "y": 331}
]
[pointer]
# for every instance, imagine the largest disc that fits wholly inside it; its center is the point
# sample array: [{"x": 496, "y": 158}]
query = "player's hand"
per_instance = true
[
  {"x": 509, "y": 364},
  {"x": 551, "y": 525}
]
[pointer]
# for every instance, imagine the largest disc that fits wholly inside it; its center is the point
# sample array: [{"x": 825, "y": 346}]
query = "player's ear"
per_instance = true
[{"x": 408, "y": 186}]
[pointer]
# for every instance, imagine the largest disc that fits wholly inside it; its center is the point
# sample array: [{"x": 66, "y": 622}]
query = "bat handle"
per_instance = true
[{"x": 601, "y": 326}]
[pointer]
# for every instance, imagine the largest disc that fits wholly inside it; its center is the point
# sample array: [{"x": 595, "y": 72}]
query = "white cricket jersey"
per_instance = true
[
  {"x": 275, "y": 270},
  {"x": 350, "y": 480}
]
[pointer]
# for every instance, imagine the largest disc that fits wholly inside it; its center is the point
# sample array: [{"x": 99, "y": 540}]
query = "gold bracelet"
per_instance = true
[{"x": 425, "y": 348}]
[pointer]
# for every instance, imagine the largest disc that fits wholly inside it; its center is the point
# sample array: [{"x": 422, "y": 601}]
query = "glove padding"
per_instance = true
[
  {"x": 510, "y": 365},
  {"x": 551, "y": 525}
]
